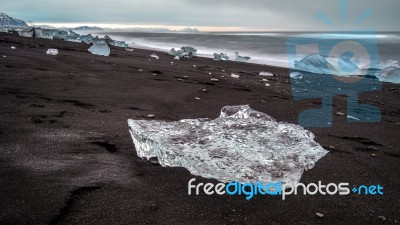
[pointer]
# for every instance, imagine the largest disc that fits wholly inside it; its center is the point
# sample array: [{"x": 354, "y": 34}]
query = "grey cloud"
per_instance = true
[{"x": 262, "y": 14}]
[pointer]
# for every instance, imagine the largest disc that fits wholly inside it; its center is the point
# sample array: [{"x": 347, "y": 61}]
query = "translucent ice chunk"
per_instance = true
[
  {"x": 154, "y": 55},
  {"x": 382, "y": 64},
  {"x": 242, "y": 144},
  {"x": 27, "y": 32},
  {"x": 317, "y": 63},
  {"x": 235, "y": 75},
  {"x": 45, "y": 33},
  {"x": 390, "y": 74},
  {"x": 112, "y": 42},
  {"x": 266, "y": 74},
  {"x": 296, "y": 75},
  {"x": 52, "y": 51},
  {"x": 100, "y": 49},
  {"x": 185, "y": 51},
  {"x": 3, "y": 30},
  {"x": 61, "y": 35},
  {"x": 239, "y": 58},
  {"x": 221, "y": 57},
  {"x": 86, "y": 38}
]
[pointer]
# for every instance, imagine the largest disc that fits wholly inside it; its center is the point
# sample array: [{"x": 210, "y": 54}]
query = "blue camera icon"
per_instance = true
[{"x": 328, "y": 65}]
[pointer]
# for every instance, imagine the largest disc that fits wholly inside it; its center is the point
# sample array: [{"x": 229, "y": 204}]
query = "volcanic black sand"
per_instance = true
[{"x": 66, "y": 156}]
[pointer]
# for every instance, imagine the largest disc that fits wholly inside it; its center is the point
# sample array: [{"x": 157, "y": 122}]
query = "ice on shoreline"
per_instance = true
[
  {"x": 242, "y": 144},
  {"x": 221, "y": 57},
  {"x": 387, "y": 71},
  {"x": 239, "y": 58},
  {"x": 185, "y": 51},
  {"x": 100, "y": 49},
  {"x": 269, "y": 74},
  {"x": 52, "y": 51}
]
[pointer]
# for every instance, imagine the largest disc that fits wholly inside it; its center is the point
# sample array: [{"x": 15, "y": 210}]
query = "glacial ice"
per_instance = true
[
  {"x": 72, "y": 39},
  {"x": 61, "y": 35},
  {"x": 235, "y": 75},
  {"x": 3, "y": 30},
  {"x": 241, "y": 144},
  {"x": 221, "y": 57},
  {"x": 296, "y": 75},
  {"x": 27, "y": 33},
  {"x": 115, "y": 43},
  {"x": 317, "y": 63},
  {"x": 266, "y": 74},
  {"x": 52, "y": 51},
  {"x": 185, "y": 51},
  {"x": 100, "y": 48},
  {"x": 382, "y": 64},
  {"x": 239, "y": 58},
  {"x": 86, "y": 38},
  {"x": 45, "y": 33},
  {"x": 154, "y": 55},
  {"x": 387, "y": 71},
  {"x": 390, "y": 74}
]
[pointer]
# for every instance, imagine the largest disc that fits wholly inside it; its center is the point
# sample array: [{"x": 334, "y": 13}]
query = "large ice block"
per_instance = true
[
  {"x": 45, "y": 33},
  {"x": 100, "y": 49},
  {"x": 240, "y": 145},
  {"x": 185, "y": 51},
  {"x": 26, "y": 33}
]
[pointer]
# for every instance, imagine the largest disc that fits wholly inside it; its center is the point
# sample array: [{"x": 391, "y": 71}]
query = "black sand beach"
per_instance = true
[{"x": 66, "y": 156}]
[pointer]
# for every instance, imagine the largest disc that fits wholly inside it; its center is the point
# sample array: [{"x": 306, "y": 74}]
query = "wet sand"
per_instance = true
[{"x": 67, "y": 157}]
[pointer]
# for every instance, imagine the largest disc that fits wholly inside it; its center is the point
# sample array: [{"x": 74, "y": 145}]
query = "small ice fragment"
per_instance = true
[
  {"x": 13, "y": 47},
  {"x": 129, "y": 49},
  {"x": 220, "y": 57},
  {"x": 4, "y": 56},
  {"x": 266, "y": 74},
  {"x": 267, "y": 85},
  {"x": 340, "y": 114},
  {"x": 154, "y": 55},
  {"x": 197, "y": 98},
  {"x": 52, "y": 51},
  {"x": 235, "y": 75},
  {"x": 296, "y": 75},
  {"x": 150, "y": 116},
  {"x": 204, "y": 90},
  {"x": 194, "y": 66},
  {"x": 214, "y": 79},
  {"x": 176, "y": 57},
  {"x": 241, "y": 58},
  {"x": 264, "y": 80},
  {"x": 352, "y": 117}
]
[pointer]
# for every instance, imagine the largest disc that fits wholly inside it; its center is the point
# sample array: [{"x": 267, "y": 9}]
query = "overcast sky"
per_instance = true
[{"x": 220, "y": 14}]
